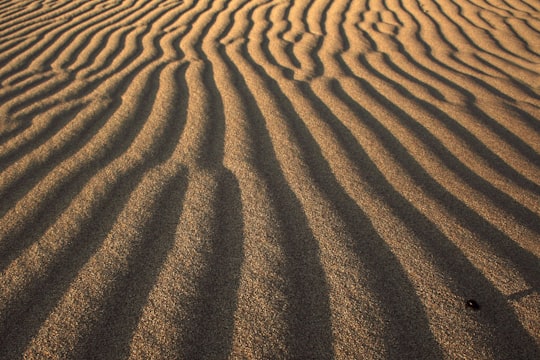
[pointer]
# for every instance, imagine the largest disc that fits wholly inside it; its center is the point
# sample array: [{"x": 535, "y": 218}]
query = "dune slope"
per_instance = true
[{"x": 270, "y": 179}]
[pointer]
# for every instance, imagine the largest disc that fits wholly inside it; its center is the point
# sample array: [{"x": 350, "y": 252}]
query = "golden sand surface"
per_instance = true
[{"x": 270, "y": 179}]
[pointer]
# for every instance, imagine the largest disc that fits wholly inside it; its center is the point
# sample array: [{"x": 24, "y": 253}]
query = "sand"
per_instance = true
[{"x": 270, "y": 179}]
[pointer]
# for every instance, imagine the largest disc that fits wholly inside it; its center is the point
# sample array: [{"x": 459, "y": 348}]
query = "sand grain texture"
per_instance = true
[{"x": 269, "y": 179}]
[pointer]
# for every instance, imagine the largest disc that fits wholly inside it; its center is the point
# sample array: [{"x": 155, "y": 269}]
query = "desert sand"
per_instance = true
[{"x": 270, "y": 179}]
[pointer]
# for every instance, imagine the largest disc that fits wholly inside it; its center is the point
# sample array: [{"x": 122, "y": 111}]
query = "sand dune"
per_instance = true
[{"x": 269, "y": 179}]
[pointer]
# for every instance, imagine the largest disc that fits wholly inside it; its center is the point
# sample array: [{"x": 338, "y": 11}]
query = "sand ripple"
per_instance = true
[{"x": 269, "y": 179}]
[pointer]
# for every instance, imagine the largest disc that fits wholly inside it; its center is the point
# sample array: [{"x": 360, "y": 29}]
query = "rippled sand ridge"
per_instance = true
[{"x": 270, "y": 179}]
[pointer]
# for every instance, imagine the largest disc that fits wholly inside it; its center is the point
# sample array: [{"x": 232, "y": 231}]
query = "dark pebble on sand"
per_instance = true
[{"x": 473, "y": 304}]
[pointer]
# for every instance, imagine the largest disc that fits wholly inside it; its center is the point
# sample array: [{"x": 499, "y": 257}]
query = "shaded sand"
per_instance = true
[{"x": 270, "y": 179}]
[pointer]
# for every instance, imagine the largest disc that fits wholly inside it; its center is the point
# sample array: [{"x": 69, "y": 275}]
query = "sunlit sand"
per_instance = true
[{"x": 270, "y": 179}]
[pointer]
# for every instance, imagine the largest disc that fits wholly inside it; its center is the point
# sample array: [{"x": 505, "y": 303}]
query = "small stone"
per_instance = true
[{"x": 473, "y": 304}]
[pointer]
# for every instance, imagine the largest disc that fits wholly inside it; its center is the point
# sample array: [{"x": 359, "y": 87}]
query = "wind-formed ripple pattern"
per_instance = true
[{"x": 270, "y": 179}]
